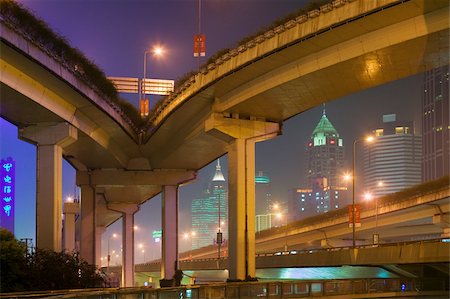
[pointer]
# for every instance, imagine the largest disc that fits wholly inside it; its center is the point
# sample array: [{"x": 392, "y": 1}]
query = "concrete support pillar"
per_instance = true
[
  {"x": 87, "y": 216},
  {"x": 99, "y": 230},
  {"x": 128, "y": 211},
  {"x": 70, "y": 210},
  {"x": 50, "y": 139},
  {"x": 241, "y": 212},
  {"x": 169, "y": 253},
  {"x": 241, "y": 136}
]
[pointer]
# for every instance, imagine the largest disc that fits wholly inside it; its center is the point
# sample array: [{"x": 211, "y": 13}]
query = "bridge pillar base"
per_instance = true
[
  {"x": 128, "y": 210},
  {"x": 169, "y": 253},
  {"x": 70, "y": 210},
  {"x": 50, "y": 139},
  {"x": 87, "y": 227},
  {"x": 241, "y": 136}
]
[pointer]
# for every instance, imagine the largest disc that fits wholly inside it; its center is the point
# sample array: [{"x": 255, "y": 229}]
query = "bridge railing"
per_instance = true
[{"x": 358, "y": 288}]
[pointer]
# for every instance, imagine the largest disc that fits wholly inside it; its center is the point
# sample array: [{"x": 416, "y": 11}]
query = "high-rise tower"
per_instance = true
[
  {"x": 435, "y": 124},
  {"x": 324, "y": 191},
  {"x": 210, "y": 212},
  {"x": 393, "y": 160},
  {"x": 325, "y": 153}
]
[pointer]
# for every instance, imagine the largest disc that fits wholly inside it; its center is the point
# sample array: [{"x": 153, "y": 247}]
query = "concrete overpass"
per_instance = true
[{"x": 240, "y": 99}]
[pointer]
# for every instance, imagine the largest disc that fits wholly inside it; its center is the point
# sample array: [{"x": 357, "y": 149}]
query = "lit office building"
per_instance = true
[
  {"x": 321, "y": 198},
  {"x": 435, "y": 124},
  {"x": 263, "y": 222},
  {"x": 210, "y": 211},
  {"x": 323, "y": 192},
  {"x": 325, "y": 153},
  {"x": 392, "y": 162},
  {"x": 263, "y": 195}
]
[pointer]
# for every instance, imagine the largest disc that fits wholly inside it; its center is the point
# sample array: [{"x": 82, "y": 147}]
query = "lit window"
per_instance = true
[
  {"x": 303, "y": 199},
  {"x": 399, "y": 130},
  {"x": 379, "y": 132},
  {"x": 303, "y": 209}
]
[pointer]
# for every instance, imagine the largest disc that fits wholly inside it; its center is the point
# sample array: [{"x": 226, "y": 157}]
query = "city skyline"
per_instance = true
[{"x": 281, "y": 157}]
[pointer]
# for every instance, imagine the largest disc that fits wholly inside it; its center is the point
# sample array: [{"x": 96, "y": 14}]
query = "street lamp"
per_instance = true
[
  {"x": 157, "y": 52},
  {"x": 367, "y": 139}
]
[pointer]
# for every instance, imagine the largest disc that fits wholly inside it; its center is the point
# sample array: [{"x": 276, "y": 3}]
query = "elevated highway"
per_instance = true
[
  {"x": 241, "y": 98},
  {"x": 398, "y": 219}
]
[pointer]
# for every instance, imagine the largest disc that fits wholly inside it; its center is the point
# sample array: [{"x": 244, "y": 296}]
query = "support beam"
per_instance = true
[
  {"x": 241, "y": 136},
  {"x": 128, "y": 210},
  {"x": 50, "y": 140},
  {"x": 120, "y": 177},
  {"x": 169, "y": 232},
  {"x": 70, "y": 210}
]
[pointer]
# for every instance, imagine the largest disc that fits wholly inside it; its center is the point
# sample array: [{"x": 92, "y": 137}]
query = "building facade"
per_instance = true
[
  {"x": 210, "y": 212},
  {"x": 392, "y": 162},
  {"x": 435, "y": 124},
  {"x": 321, "y": 198}
]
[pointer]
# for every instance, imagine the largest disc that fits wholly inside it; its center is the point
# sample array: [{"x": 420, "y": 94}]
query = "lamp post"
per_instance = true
[
  {"x": 367, "y": 139},
  {"x": 157, "y": 51}
]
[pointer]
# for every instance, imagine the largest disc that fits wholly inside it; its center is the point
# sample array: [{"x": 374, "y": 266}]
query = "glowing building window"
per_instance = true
[
  {"x": 379, "y": 132},
  {"x": 399, "y": 130}
]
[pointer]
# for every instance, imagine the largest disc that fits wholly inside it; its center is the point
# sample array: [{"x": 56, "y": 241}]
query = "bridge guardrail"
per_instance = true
[
  {"x": 358, "y": 288},
  {"x": 314, "y": 250}
]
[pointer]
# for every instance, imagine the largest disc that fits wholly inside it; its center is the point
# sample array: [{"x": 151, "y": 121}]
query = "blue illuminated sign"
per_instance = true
[{"x": 7, "y": 193}]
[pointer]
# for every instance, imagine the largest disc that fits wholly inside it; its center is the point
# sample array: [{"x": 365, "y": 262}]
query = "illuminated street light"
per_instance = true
[
  {"x": 143, "y": 102},
  {"x": 367, "y": 139}
]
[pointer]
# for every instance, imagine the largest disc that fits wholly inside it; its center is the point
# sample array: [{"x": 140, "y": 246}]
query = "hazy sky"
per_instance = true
[{"x": 115, "y": 33}]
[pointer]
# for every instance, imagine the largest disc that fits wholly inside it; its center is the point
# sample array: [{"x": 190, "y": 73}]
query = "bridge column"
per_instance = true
[
  {"x": 169, "y": 252},
  {"x": 99, "y": 230},
  {"x": 70, "y": 209},
  {"x": 50, "y": 139},
  {"x": 87, "y": 218},
  {"x": 128, "y": 210},
  {"x": 241, "y": 136}
]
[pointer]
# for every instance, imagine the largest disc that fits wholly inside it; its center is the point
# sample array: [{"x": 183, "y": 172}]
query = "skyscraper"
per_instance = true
[
  {"x": 394, "y": 158},
  {"x": 263, "y": 195},
  {"x": 323, "y": 193},
  {"x": 325, "y": 153},
  {"x": 435, "y": 124},
  {"x": 210, "y": 212}
]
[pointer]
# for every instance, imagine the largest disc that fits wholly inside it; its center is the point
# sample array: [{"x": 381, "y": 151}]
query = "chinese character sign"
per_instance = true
[
  {"x": 7, "y": 193},
  {"x": 199, "y": 45}
]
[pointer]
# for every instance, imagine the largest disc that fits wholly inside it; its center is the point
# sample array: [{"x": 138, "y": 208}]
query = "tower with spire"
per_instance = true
[
  {"x": 210, "y": 213},
  {"x": 324, "y": 191},
  {"x": 325, "y": 153}
]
